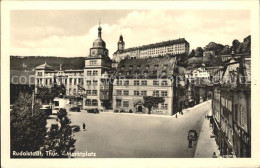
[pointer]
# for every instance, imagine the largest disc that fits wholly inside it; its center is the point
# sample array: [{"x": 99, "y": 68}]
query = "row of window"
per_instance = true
[
  {"x": 146, "y": 67},
  {"x": 126, "y": 104},
  {"x": 92, "y": 92},
  {"x": 141, "y": 93},
  {"x": 143, "y": 82},
  {"x": 90, "y": 102},
  {"x": 92, "y": 73}
]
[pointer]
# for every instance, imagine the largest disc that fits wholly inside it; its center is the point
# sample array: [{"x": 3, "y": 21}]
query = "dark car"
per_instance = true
[
  {"x": 75, "y": 109},
  {"x": 192, "y": 135},
  {"x": 75, "y": 128},
  {"x": 93, "y": 111}
]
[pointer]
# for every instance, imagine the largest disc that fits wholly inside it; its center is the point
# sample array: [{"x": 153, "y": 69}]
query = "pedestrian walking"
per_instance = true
[
  {"x": 176, "y": 115},
  {"x": 84, "y": 126},
  {"x": 214, "y": 155}
]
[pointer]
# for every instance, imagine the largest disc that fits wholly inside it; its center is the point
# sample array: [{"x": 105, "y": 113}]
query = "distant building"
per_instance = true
[
  {"x": 200, "y": 72},
  {"x": 171, "y": 47},
  {"x": 208, "y": 53},
  {"x": 231, "y": 107},
  {"x": 148, "y": 77}
]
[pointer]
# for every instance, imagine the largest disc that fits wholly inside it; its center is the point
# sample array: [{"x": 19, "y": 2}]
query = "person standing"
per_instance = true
[{"x": 84, "y": 126}]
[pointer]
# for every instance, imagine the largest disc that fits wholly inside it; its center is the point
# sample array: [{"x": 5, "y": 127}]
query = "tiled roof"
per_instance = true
[
  {"x": 154, "y": 45},
  {"x": 150, "y": 67}
]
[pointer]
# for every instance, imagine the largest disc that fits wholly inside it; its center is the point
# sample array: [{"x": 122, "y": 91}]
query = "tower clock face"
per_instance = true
[{"x": 93, "y": 52}]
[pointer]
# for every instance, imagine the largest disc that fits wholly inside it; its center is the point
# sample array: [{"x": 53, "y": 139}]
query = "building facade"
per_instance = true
[
  {"x": 97, "y": 84},
  {"x": 231, "y": 107},
  {"x": 171, "y": 47},
  {"x": 147, "y": 77}
]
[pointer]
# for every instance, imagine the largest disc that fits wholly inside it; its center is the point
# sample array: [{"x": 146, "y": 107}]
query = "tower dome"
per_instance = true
[{"x": 99, "y": 43}]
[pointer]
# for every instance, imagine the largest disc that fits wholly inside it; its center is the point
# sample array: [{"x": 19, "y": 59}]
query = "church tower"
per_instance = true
[
  {"x": 97, "y": 64},
  {"x": 120, "y": 44}
]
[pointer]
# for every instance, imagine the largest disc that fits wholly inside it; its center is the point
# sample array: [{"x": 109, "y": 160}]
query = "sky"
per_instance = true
[{"x": 70, "y": 33}]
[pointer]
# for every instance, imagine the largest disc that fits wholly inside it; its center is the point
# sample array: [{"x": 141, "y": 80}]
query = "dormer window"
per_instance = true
[
  {"x": 165, "y": 66},
  {"x": 155, "y": 66},
  {"x": 147, "y": 67}
]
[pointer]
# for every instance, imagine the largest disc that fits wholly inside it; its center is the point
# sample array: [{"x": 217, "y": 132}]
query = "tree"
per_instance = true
[
  {"x": 150, "y": 101},
  {"x": 60, "y": 138},
  {"x": 192, "y": 53},
  {"x": 198, "y": 52},
  {"x": 28, "y": 128}
]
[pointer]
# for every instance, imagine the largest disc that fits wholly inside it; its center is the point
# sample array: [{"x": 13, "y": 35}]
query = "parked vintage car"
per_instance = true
[
  {"x": 93, "y": 111},
  {"x": 192, "y": 135},
  {"x": 75, "y": 109},
  {"x": 75, "y": 128}
]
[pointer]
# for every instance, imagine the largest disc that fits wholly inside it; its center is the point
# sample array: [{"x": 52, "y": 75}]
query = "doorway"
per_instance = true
[{"x": 140, "y": 109}]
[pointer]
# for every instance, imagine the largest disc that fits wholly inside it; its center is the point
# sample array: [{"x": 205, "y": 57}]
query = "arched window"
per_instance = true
[
  {"x": 88, "y": 102},
  {"x": 94, "y": 102}
]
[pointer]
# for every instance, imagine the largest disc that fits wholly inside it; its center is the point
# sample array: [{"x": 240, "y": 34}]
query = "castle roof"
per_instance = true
[{"x": 151, "y": 67}]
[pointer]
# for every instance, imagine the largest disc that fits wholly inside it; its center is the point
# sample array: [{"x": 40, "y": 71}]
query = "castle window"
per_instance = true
[
  {"x": 119, "y": 82},
  {"x": 88, "y": 82},
  {"x": 126, "y": 92},
  {"x": 95, "y": 82},
  {"x": 136, "y": 82},
  {"x": 88, "y": 102},
  {"x": 164, "y": 106},
  {"x": 136, "y": 93},
  {"x": 143, "y": 93},
  {"x": 125, "y": 103},
  {"x": 164, "y": 93},
  {"x": 144, "y": 83},
  {"x": 156, "y": 82},
  {"x": 118, "y": 102},
  {"x": 39, "y": 73},
  {"x": 94, "y": 92},
  {"x": 164, "y": 83},
  {"x": 89, "y": 73},
  {"x": 119, "y": 92},
  {"x": 88, "y": 92},
  {"x": 94, "y": 102},
  {"x": 156, "y": 93},
  {"x": 95, "y": 73}
]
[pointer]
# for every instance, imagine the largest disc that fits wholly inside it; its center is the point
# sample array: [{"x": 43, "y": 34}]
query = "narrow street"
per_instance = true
[{"x": 112, "y": 135}]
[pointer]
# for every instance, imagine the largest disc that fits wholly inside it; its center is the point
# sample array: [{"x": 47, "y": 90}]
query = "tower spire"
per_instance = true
[{"x": 99, "y": 29}]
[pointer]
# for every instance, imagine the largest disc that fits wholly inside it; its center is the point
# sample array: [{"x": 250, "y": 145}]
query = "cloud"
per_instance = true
[{"x": 139, "y": 27}]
